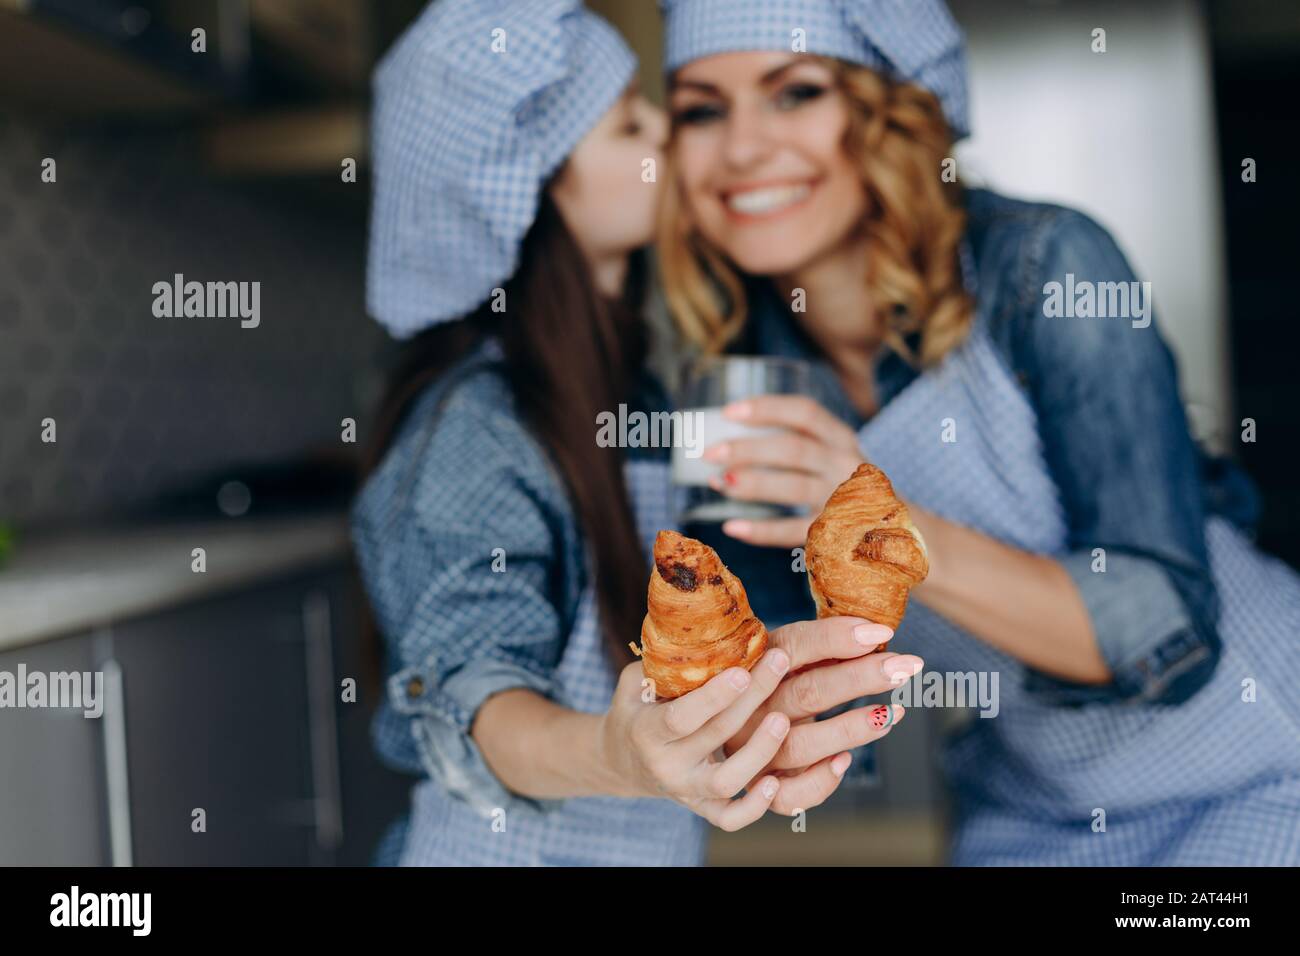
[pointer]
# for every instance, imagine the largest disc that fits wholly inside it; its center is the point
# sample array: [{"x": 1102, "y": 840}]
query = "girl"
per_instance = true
[
  {"x": 1080, "y": 544},
  {"x": 498, "y": 542}
]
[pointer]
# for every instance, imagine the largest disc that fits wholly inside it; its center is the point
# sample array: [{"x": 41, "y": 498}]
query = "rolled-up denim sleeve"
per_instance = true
[
  {"x": 441, "y": 710},
  {"x": 1117, "y": 443},
  {"x": 469, "y": 576}
]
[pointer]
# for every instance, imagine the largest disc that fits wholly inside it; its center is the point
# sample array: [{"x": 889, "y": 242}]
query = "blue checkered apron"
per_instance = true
[
  {"x": 588, "y": 831},
  {"x": 1212, "y": 781}
]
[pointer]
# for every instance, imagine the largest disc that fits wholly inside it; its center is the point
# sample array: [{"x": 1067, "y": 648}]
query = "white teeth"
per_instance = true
[{"x": 756, "y": 202}]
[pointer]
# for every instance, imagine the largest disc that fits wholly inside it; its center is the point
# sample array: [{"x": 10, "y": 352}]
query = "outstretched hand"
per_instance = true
[{"x": 831, "y": 663}]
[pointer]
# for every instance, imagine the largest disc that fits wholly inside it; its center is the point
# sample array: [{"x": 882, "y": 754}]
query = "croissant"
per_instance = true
[
  {"x": 863, "y": 552},
  {"x": 699, "y": 621}
]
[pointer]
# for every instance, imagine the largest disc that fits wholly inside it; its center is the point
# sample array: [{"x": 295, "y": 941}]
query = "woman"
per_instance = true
[
  {"x": 1080, "y": 544},
  {"x": 504, "y": 551}
]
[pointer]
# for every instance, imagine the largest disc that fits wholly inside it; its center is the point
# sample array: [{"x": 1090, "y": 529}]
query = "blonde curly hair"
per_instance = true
[{"x": 898, "y": 137}]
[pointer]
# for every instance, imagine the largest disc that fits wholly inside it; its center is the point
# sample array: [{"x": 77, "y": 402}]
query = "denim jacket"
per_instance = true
[
  {"x": 1115, "y": 436},
  {"x": 425, "y": 524},
  {"x": 464, "y": 487}
]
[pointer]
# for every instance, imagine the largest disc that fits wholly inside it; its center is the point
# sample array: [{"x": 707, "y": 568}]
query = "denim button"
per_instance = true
[{"x": 414, "y": 687}]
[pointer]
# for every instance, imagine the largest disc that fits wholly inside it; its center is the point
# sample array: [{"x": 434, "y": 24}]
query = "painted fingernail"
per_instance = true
[
  {"x": 776, "y": 724},
  {"x": 769, "y": 788},
  {"x": 778, "y": 660},
  {"x": 739, "y": 678},
  {"x": 886, "y": 715},
  {"x": 738, "y": 410},
  {"x": 866, "y": 634},
  {"x": 730, "y": 478},
  {"x": 717, "y": 453},
  {"x": 841, "y": 764},
  {"x": 903, "y": 668}
]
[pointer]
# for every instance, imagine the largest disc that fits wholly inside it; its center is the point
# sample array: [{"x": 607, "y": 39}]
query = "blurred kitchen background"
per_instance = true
[{"x": 181, "y": 434}]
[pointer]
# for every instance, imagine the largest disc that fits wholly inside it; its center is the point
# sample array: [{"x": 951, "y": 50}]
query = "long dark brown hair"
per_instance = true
[{"x": 570, "y": 353}]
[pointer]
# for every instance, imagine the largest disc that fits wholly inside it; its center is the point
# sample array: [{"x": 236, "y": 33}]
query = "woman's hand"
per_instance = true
[
  {"x": 831, "y": 664},
  {"x": 668, "y": 749},
  {"x": 800, "y": 466}
]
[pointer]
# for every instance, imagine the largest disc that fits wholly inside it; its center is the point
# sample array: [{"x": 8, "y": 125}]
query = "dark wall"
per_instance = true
[
  {"x": 144, "y": 404},
  {"x": 1257, "y": 73}
]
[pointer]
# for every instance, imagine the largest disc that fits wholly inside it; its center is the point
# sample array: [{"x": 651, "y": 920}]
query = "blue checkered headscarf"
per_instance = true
[
  {"x": 475, "y": 106},
  {"x": 912, "y": 40}
]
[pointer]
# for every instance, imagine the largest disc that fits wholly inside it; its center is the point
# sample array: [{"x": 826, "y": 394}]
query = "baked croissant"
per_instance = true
[
  {"x": 699, "y": 621},
  {"x": 863, "y": 552}
]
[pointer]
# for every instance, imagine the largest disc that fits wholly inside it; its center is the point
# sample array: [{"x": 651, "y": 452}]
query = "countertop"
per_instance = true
[
  {"x": 76, "y": 582},
  {"x": 836, "y": 837}
]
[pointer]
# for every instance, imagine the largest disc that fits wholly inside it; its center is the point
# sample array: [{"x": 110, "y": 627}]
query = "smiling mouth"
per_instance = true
[{"x": 766, "y": 200}]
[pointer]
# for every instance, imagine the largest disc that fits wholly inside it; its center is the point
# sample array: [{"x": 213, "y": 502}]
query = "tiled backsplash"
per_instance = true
[{"x": 141, "y": 402}]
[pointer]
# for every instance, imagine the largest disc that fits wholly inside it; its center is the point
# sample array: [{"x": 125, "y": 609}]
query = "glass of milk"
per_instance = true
[{"x": 708, "y": 387}]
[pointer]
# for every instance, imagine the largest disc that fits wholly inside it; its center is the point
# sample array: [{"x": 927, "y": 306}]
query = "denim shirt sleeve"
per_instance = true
[
  {"x": 1118, "y": 446},
  {"x": 467, "y": 574}
]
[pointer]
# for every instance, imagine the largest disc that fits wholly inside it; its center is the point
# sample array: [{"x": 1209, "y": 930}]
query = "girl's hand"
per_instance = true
[
  {"x": 830, "y": 665},
  {"x": 669, "y": 749},
  {"x": 801, "y": 466}
]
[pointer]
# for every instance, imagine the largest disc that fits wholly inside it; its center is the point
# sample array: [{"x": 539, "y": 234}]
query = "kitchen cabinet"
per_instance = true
[
  {"x": 216, "y": 721},
  {"x": 51, "y": 811},
  {"x": 228, "y": 704}
]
